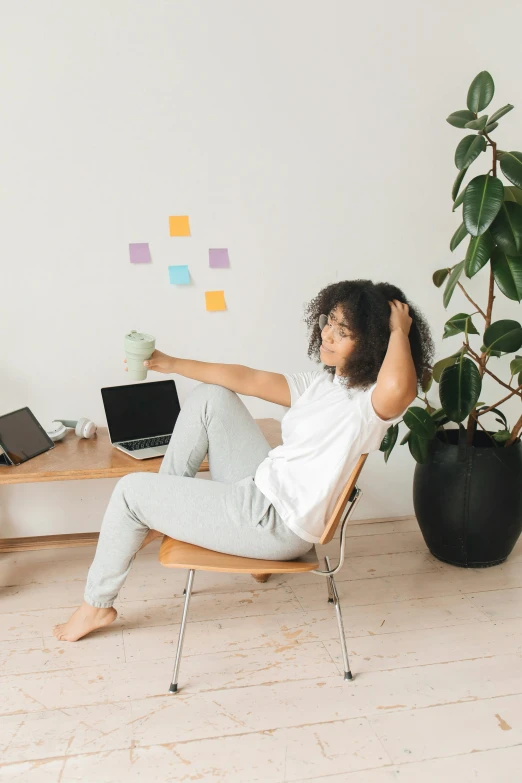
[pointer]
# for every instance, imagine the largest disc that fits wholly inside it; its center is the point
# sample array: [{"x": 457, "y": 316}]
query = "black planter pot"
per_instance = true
[{"x": 468, "y": 500}]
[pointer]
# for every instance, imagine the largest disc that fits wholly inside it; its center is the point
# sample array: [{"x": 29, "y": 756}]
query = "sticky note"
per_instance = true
[
  {"x": 218, "y": 258},
  {"x": 139, "y": 253},
  {"x": 215, "y": 300},
  {"x": 179, "y": 274},
  {"x": 179, "y": 226}
]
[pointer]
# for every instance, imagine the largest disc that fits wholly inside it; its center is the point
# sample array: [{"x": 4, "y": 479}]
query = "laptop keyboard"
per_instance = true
[{"x": 146, "y": 443}]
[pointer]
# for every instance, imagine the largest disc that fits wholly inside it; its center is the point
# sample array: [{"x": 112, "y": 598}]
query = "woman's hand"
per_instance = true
[
  {"x": 158, "y": 361},
  {"x": 400, "y": 316}
]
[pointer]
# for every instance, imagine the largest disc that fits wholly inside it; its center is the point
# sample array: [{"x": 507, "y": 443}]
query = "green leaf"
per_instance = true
[
  {"x": 516, "y": 365},
  {"x": 457, "y": 184},
  {"x": 481, "y": 92},
  {"x": 459, "y": 388},
  {"x": 511, "y": 193},
  {"x": 453, "y": 279},
  {"x": 459, "y": 118},
  {"x": 468, "y": 150},
  {"x": 511, "y": 165},
  {"x": 507, "y": 272},
  {"x": 478, "y": 124},
  {"x": 482, "y": 202},
  {"x": 439, "y": 417},
  {"x": 507, "y": 228},
  {"x": 406, "y": 438},
  {"x": 439, "y": 366},
  {"x": 490, "y": 128},
  {"x": 458, "y": 236},
  {"x": 505, "y": 335},
  {"x": 460, "y": 198},
  {"x": 497, "y": 411},
  {"x": 478, "y": 253},
  {"x": 389, "y": 441},
  {"x": 459, "y": 323},
  {"x": 420, "y": 422},
  {"x": 439, "y": 276},
  {"x": 500, "y": 112},
  {"x": 485, "y": 349},
  {"x": 502, "y": 436},
  {"x": 419, "y": 447},
  {"x": 388, "y": 437}
]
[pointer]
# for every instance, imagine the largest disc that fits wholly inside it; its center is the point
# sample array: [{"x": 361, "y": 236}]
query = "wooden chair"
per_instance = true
[{"x": 178, "y": 554}]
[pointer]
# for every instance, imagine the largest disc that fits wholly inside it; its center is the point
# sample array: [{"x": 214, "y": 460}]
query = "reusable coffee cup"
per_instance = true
[{"x": 138, "y": 347}]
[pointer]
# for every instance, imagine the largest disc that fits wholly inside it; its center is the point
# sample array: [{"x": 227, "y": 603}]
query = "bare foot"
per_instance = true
[
  {"x": 151, "y": 535},
  {"x": 84, "y": 620}
]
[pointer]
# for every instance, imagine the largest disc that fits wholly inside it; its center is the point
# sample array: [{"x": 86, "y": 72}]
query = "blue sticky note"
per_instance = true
[{"x": 179, "y": 275}]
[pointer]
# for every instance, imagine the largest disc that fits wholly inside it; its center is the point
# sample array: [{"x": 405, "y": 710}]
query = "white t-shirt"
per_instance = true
[{"x": 324, "y": 433}]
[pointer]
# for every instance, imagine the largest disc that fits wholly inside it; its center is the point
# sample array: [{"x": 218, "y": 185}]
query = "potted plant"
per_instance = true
[{"x": 468, "y": 479}]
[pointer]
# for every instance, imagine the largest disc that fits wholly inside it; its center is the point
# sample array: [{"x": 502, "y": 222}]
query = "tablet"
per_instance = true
[{"x": 22, "y": 437}]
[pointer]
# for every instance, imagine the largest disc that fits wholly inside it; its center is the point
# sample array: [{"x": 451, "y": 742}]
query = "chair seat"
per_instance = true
[{"x": 179, "y": 554}]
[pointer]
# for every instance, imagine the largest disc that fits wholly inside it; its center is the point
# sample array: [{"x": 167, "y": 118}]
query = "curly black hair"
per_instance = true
[{"x": 366, "y": 311}]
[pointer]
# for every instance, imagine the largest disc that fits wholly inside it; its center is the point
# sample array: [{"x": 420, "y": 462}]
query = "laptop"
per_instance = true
[{"x": 141, "y": 417}]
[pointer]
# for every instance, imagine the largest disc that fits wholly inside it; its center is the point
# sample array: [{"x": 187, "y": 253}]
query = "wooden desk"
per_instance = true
[{"x": 76, "y": 458}]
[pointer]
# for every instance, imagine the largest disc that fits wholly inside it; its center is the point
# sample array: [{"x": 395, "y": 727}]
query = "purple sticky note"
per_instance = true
[
  {"x": 140, "y": 253},
  {"x": 218, "y": 258}
]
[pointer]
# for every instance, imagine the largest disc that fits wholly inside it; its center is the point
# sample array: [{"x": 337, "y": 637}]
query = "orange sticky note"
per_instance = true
[
  {"x": 179, "y": 226},
  {"x": 215, "y": 300}
]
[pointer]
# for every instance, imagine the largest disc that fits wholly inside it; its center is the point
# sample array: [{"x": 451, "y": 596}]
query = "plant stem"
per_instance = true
[
  {"x": 487, "y": 433},
  {"x": 472, "y": 419},
  {"x": 515, "y": 391},
  {"x": 514, "y": 432},
  {"x": 496, "y": 404},
  {"x": 491, "y": 297},
  {"x": 494, "y": 147},
  {"x": 468, "y": 297},
  {"x": 477, "y": 358}
]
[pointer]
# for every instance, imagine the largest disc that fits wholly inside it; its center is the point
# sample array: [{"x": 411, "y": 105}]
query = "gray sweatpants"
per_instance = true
[{"x": 228, "y": 514}]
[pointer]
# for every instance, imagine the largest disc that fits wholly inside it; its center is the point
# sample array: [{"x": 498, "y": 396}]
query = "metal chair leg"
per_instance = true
[
  {"x": 186, "y": 584},
  {"x": 188, "y": 591},
  {"x": 328, "y": 582},
  {"x": 337, "y": 604}
]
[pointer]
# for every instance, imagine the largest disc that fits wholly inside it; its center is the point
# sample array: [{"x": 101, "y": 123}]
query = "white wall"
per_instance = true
[{"x": 307, "y": 137}]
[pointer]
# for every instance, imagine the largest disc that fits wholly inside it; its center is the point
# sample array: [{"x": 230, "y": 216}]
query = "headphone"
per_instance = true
[{"x": 84, "y": 428}]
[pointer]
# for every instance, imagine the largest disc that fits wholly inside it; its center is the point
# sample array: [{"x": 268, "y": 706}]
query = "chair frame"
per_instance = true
[{"x": 344, "y": 508}]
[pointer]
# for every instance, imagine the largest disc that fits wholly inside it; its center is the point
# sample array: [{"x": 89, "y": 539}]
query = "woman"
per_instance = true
[{"x": 269, "y": 504}]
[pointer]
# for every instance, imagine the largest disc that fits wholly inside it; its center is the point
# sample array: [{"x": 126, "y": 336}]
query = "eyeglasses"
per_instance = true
[{"x": 338, "y": 333}]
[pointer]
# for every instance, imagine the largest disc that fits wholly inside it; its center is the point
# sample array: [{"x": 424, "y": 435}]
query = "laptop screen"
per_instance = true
[{"x": 141, "y": 410}]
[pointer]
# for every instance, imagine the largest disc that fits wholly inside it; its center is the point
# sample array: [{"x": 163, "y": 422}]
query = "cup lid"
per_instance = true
[{"x": 138, "y": 338}]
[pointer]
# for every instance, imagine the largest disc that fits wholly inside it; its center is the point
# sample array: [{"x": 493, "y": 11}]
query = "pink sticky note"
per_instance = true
[
  {"x": 218, "y": 258},
  {"x": 139, "y": 253}
]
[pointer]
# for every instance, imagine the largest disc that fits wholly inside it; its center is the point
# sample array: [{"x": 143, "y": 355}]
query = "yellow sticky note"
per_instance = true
[
  {"x": 179, "y": 226},
  {"x": 215, "y": 300}
]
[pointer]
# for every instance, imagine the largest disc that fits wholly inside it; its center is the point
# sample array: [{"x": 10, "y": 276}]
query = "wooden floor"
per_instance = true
[{"x": 436, "y": 652}]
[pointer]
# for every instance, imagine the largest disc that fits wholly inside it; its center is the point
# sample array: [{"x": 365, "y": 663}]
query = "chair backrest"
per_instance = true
[{"x": 344, "y": 498}]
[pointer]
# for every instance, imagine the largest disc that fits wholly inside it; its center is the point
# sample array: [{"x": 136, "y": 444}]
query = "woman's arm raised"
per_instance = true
[
  {"x": 397, "y": 380},
  {"x": 270, "y": 386}
]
